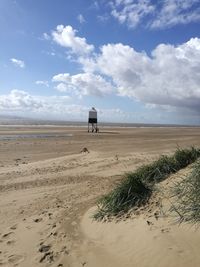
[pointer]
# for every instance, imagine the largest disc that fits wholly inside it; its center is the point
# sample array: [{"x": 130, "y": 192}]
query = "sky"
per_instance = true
[{"x": 135, "y": 61}]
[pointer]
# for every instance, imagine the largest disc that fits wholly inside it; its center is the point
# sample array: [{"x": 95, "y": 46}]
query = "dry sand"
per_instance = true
[{"x": 48, "y": 186}]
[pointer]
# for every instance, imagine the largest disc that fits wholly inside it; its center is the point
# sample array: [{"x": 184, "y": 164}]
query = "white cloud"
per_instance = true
[
  {"x": 21, "y": 103},
  {"x": 45, "y": 83},
  {"x": 45, "y": 36},
  {"x": 62, "y": 77},
  {"x": 169, "y": 77},
  {"x": 96, "y": 5},
  {"x": 103, "y": 18},
  {"x": 62, "y": 87},
  {"x": 58, "y": 107},
  {"x": 175, "y": 12},
  {"x": 18, "y": 62},
  {"x": 66, "y": 37},
  {"x": 80, "y": 18},
  {"x": 160, "y": 15},
  {"x": 131, "y": 12},
  {"x": 83, "y": 84},
  {"x": 18, "y": 100}
]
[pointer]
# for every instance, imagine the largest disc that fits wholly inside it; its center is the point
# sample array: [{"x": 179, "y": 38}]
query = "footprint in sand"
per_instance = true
[
  {"x": 5, "y": 236},
  {"x": 180, "y": 251},
  {"x": 14, "y": 227},
  {"x": 44, "y": 248},
  {"x": 11, "y": 242},
  {"x": 165, "y": 230},
  {"x": 16, "y": 259},
  {"x": 2, "y": 263}
]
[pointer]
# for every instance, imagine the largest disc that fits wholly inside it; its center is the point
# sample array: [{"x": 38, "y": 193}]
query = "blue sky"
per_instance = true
[{"x": 134, "y": 60}]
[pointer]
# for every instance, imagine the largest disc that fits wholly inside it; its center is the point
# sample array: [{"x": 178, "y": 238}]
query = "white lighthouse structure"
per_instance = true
[{"x": 92, "y": 120}]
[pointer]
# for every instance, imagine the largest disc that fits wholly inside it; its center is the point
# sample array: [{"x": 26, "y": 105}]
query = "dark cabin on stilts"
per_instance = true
[{"x": 92, "y": 121}]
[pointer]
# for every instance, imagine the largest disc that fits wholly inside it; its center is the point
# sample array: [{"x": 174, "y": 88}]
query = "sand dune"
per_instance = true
[
  {"x": 135, "y": 243},
  {"x": 152, "y": 237}
]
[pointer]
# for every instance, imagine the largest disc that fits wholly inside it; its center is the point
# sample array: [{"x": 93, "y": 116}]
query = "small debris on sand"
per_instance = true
[
  {"x": 85, "y": 150},
  {"x": 38, "y": 220}
]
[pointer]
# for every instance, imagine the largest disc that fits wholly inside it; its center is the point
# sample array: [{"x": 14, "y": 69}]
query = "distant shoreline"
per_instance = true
[{"x": 84, "y": 125}]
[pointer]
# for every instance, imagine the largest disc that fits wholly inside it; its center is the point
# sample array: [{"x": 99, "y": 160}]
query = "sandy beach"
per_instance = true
[{"x": 49, "y": 187}]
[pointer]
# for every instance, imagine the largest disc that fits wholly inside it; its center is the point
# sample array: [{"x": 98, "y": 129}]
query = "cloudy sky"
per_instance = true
[{"x": 134, "y": 60}]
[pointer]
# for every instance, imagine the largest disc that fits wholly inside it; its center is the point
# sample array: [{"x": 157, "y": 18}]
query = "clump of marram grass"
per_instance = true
[
  {"x": 131, "y": 192},
  {"x": 184, "y": 157},
  {"x": 136, "y": 188},
  {"x": 187, "y": 193},
  {"x": 166, "y": 165},
  {"x": 158, "y": 170}
]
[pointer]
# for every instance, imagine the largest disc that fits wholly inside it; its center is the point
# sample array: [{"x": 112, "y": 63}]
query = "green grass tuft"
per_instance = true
[
  {"x": 184, "y": 157},
  {"x": 187, "y": 193},
  {"x": 158, "y": 170},
  {"x": 131, "y": 192},
  {"x": 136, "y": 188}
]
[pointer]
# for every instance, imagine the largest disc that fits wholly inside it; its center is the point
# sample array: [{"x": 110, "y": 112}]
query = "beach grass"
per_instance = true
[
  {"x": 187, "y": 193},
  {"x": 130, "y": 192},
  {"x": 160, "y": 169},
  {"x": 136, "y": 187}
]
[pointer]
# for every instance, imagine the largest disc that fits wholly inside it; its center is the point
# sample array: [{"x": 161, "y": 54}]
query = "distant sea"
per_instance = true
[{"x": 5, "y": 121}]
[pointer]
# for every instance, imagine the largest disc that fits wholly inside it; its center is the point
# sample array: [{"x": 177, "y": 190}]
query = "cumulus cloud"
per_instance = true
[
  {"x": 18, "y": 62},
  {"x": 169, "y": 77},
  {"x": 21, "y": 102},
  {"x": 45, "y": 83},
  {"x": 18, "y": 100},
  {"x": 80, "y": 18},
  {"x": 83, "y": 84},
  {"x": 155, "y": 15},
  {"x": 62, "y": 77},
  {"x": 67, "y": 37}
]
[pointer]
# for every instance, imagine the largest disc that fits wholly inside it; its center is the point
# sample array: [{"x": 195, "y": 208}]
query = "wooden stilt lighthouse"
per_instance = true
[{"x": 92, "y": 121}]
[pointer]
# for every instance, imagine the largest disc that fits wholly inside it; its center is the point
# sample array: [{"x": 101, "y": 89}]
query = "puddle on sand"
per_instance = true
[{"x": 32, "y": 136}]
